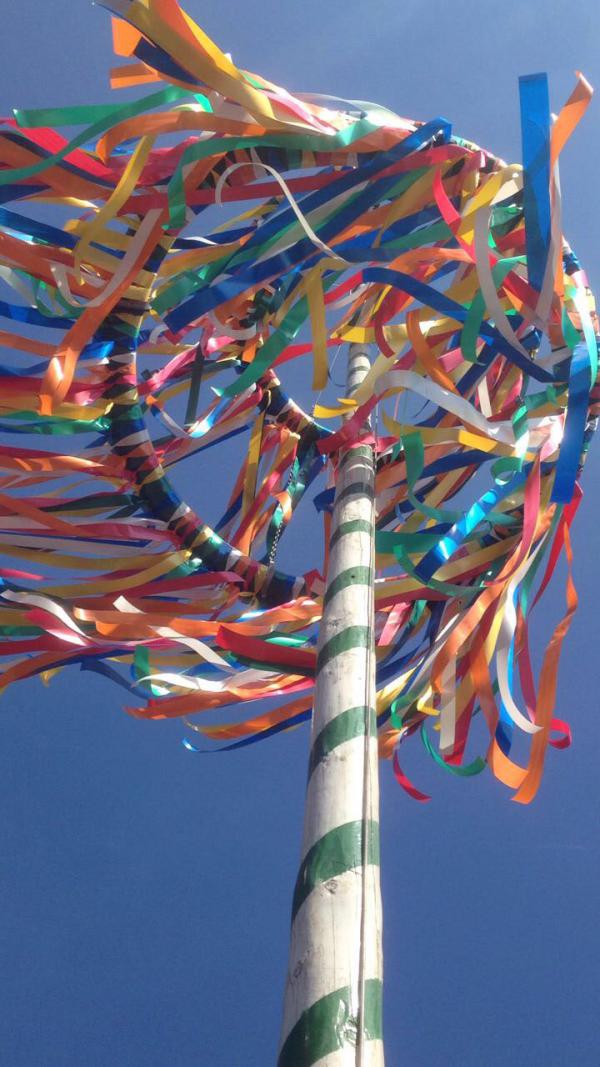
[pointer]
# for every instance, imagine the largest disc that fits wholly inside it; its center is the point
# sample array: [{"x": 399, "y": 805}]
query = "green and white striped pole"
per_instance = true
[{"x": 332, "y": 1008}]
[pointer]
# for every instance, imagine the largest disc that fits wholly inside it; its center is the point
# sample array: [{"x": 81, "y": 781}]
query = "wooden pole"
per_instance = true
[{"x": 332, "y": 1009}]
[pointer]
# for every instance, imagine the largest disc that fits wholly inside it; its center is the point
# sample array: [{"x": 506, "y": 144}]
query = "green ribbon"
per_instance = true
[
  {"x": 99, "y": 126},
  {"x": 464, "y": 771}
]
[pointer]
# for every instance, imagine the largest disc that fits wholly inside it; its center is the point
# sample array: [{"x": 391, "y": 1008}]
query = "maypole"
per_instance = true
[
  {"x": 332, "y": 1010},
  {"x": 378, "y": 230}
]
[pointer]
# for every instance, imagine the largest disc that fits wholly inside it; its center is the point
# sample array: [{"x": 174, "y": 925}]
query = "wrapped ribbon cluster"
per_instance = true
[{"x": 219, "y": 228}]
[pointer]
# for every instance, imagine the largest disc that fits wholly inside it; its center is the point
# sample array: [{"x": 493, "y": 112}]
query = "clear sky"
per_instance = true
[{"x": 144, "y": 891}]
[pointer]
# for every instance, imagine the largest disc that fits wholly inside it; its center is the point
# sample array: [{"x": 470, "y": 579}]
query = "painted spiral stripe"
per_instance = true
[
  {"x": 348, "y": 638},
  {"x": 344, "y": 727},
  {"x": 358, "y": 575},
  {"x": 338, "y": 851},
  {"x": 330, "y": 1024},
  {"x": 351, "y": 526}
]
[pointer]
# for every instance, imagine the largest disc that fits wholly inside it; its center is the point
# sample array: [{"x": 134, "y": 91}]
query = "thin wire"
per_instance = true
[
  {"x": 366, "y": 801},
  {"x": 366, "y": 779}
]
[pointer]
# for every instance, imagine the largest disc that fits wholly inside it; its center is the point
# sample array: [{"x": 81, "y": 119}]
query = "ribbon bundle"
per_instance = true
[{"x": 353, "y": 224}]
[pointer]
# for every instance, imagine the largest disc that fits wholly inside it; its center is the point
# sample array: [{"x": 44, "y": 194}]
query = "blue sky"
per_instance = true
[{"x": 144, "y": 891}]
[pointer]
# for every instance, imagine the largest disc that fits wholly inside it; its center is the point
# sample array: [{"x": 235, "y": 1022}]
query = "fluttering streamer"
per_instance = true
[{"x": 347, "y": 221}]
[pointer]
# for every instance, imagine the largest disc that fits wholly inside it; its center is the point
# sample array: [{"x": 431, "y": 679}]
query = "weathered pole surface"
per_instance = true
[{"x": 332, "y": 1010}]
